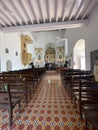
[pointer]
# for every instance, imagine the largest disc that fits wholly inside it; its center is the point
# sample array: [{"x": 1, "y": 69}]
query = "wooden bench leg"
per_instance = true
[
  {"x": 10, "y": 116},
  {"x": 86, "y": 123}
]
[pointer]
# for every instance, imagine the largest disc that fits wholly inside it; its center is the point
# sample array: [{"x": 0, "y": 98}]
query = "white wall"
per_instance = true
[
  {"x": 12, "y": 41},
  {"x": 43, "y": 38},
  {"x": 89, "y": 33}
]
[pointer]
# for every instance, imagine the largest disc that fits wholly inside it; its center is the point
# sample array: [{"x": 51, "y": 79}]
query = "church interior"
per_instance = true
[{"x": 48, "y": 65}]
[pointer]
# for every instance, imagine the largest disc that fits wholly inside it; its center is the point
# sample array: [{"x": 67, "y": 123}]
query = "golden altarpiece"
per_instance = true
[{"x": 54, "y": 55}]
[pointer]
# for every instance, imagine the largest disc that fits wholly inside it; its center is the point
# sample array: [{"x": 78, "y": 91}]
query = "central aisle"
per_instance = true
[{"x": 49, "y": 109}]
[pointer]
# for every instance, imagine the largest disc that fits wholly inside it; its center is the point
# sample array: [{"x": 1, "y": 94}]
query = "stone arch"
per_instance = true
[{"x": 49, "y": 45}]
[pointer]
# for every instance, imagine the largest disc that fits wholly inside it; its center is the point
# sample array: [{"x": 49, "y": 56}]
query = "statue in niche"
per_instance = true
[
  {"x": 60, "y": 56},
  {"x": 39, "y": 57}
]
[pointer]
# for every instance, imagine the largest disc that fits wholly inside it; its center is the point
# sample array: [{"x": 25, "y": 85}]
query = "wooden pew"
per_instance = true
[
  {"x": 83, "y": 93},
  {"x": 74, "y": 84},
  {"x": 91, "y": 114},
  {"x": 7, "y": 102},
  {"x": 17, "y": 85},
  {"x": 70, "y": 77},
  {"x": 88, "y": 102},
  {"x": 85, "y": 96}
]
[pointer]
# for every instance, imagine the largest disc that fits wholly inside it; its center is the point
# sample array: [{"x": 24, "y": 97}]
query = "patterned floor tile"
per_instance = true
[{"x": 49, "y": 109}]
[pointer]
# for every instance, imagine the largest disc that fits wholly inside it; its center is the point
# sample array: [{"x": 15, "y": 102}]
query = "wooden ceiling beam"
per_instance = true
[{"x": 47, "y": 26}]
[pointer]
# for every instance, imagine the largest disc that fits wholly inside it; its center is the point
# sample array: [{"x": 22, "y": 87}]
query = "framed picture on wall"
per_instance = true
[{"x": 60, "y": 56}]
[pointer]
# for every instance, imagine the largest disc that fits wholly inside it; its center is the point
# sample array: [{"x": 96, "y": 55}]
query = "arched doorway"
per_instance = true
[
  {"x": 8, "y": 65},
  {"x": 79, "y": 55}
]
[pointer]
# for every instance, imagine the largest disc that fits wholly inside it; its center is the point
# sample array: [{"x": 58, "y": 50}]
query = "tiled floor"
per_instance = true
[{"x": 49, "y": 109}]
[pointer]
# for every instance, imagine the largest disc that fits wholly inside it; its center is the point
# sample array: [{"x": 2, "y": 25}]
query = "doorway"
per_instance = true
[{"x": 79, "y": 55}]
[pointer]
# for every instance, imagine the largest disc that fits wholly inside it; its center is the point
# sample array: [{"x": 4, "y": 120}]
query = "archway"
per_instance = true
[
  {"x": 8, "y": 65},
  {"x": 79, "y": 55}
]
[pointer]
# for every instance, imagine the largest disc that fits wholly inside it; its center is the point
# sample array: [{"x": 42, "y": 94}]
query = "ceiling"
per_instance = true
[{"x": 38, "y": 15}]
